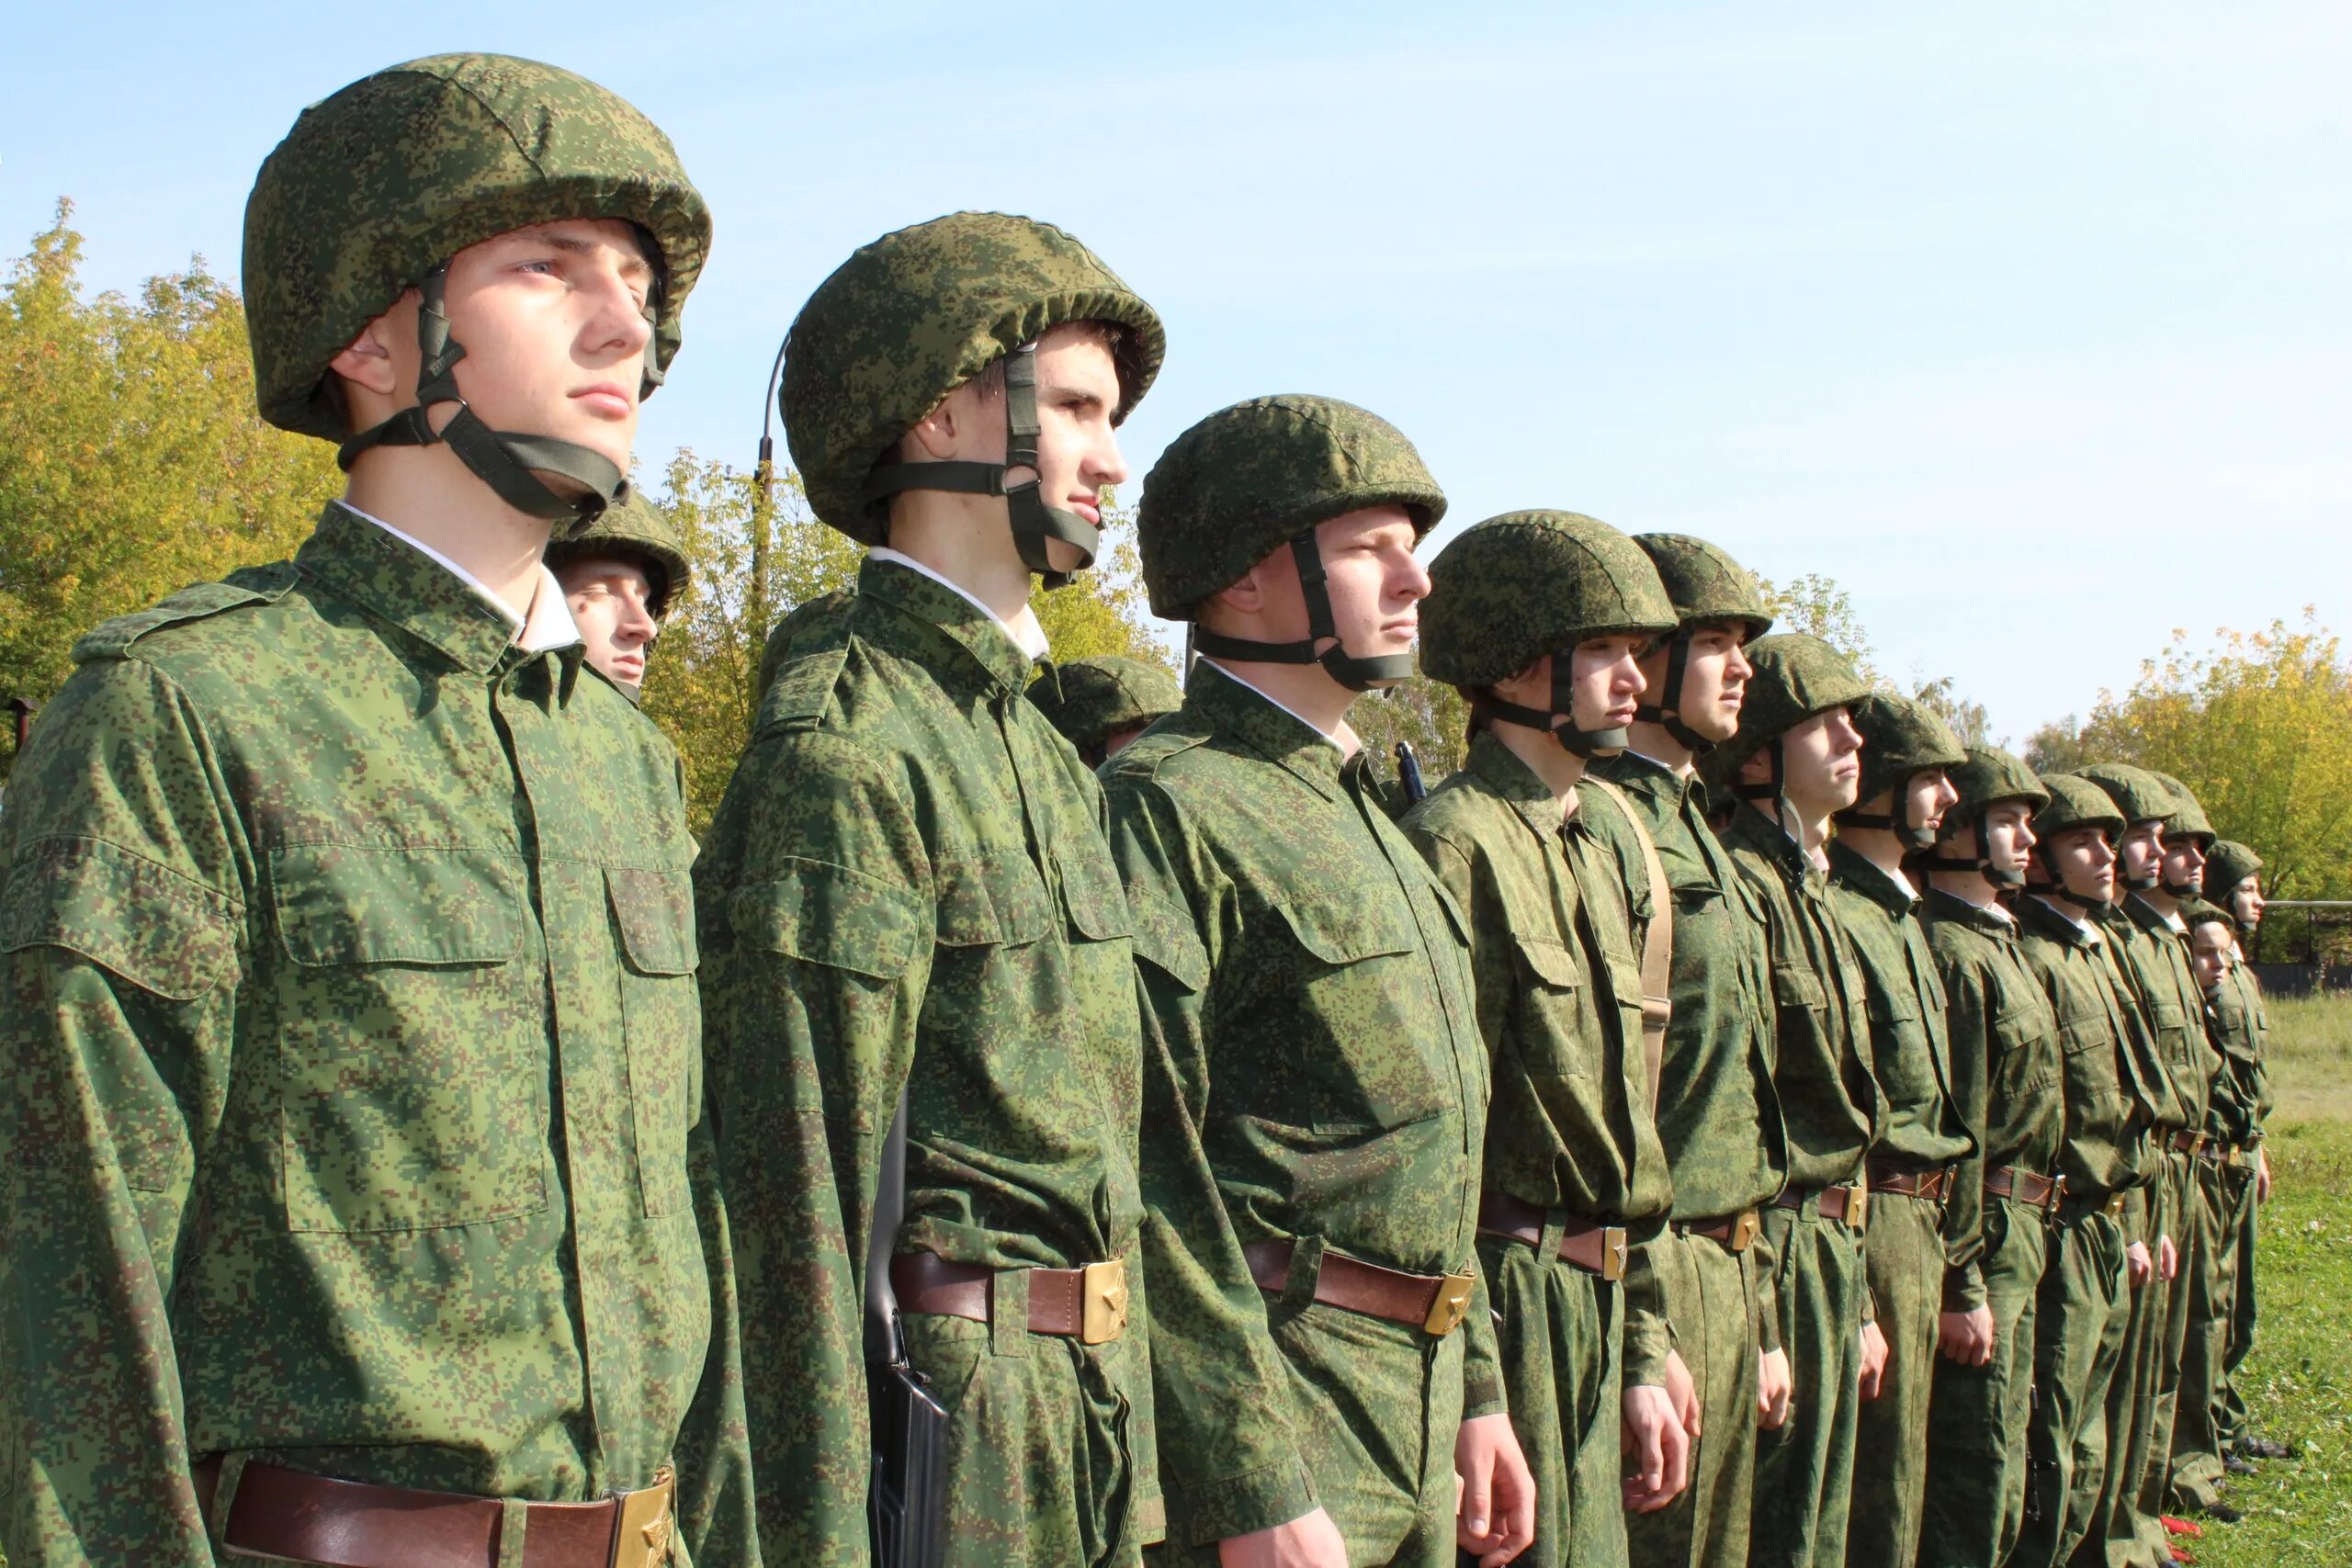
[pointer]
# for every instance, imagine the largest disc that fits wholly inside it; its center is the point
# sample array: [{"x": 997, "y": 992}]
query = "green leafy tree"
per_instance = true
[
  {"x": 2057, "y": 747},
  {"x": 132, "y": 460},
  {"x": 1815, "y": 604},
  {"x": 1968, "y": 719}
]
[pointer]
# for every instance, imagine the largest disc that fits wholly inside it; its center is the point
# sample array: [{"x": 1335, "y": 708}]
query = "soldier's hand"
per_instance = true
[
  {"x": 1495, "y": 1518},
  {"x": 1873, "y": 1360},
  {"x": 1653, "y": 1435},
  {"x": 1683, "y": 1391},
  {"x": 2261, "y": 1175},
  {"x": 1966, "y": 1338},
  {"x": 1775, "y": 1391},
  {"x": 2137, "y": 1264},
  {"x": 1311, "y": 1540},
  {"x": 2168, "y": 1258}
]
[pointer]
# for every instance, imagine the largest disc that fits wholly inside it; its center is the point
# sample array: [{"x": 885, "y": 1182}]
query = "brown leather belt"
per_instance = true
[
  {"x": 2035, "y": 1191},
  {"x": 2229, "y": 1157},
  {"x": 1087, "y": 1304},
  {"x": 1850, "y": 1202},
  {"x": 1595, "y": 1249},
  {"x": 1933, "y": 1185},
  {"x": 300, "y": 1518},
  {"x": 1434, "y": 1302},
  {"x": 1736, "y": 1232},
  {"x": 2078, "y": 1204},
  {"x": 2185, "y": 1141}
]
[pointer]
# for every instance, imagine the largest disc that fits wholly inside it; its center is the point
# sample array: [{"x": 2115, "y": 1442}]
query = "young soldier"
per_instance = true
[
  {"x": 1796, "y": 762},
  {"x": 352, "y": 1140},
  {"x": 2154, "y": 964},
  {"x": 1717, "y": 1113},
  {"x": 2005, "y": 1064},
  {"x": 1537, "y": 618},
  {"x": 2234, "y": 880},
  {"x": 1103, "y": 703},
  {"x": 910, "y": 907},
  {"x": 1904, "y": 793},
  {"x": 620, "y": 578},
  {"x": 1324, "y": 1351},
  {"x": 2110, "y": 1084}
]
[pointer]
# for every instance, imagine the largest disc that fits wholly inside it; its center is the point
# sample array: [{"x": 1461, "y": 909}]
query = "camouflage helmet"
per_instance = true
[
  {"x": 1089, "y": 700},
  {"x": 633, "y": 528},
  {"x": 1257, "y": 476},
  {"x": 1797, "y": 676},
  {"x": 378, "y": 186},
  {"x": 2139, "y": 795},
  {"x": 1705, "y": 585},
  {"x": 1512, "y": 589},
  {"x": 1985, "y": 778},
  {"x": 2229, "y": 862},
  {"x": 1901, "y": 738},
  {"x": 914, "y": 315},
  {"x": 2195, "y": 912},
  {"x": 2187, "y": 820},
  {"x": 2074, "y": 802}
]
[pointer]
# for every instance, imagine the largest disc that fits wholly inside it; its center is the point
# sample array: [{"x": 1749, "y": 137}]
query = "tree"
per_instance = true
[
  {"x": 1815, "y": 604},
  {"x": 2260, "y": 726},
  {"x": 2057, "y": 747},
  {"x": 1968, "y": 719},
  {"x": 134, "y": 461},
  {"x": 1427, "y": 715}
]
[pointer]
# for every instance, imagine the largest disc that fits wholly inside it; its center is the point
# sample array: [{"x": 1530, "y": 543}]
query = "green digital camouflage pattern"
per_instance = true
[
  {"x": 1315, "y": 1073},
  {"x": 1718, "y": 1117},
  {"x": 1921, "y": 1129},
  {"x": 1231, "y": 490},
  {"x": 917, "y": 313},
  {"x": 1901, "y": 738},
  {"x": 632, "y": 529},
  {"x": 2139, "y": 795},
  {"x": 1977, "y": 1415},
  {"x": 2111, "y": 1082},
  {"x": 1706, "y": 584},
  {"x": 350, "y": 1020},
  {"x": 2227, "y": 863},
  {"x": 2081, "y": 1315},
  {"x": 1797, "y": 675},
  {"x": 1804, "y": 1469},
  {"x": 2188, "y": 820},
  {"x": 383, "y": 182},
  {"x": 1512, "y": 589},
  {"x": 2233, "y": 1416},
  {"x": 1555, "y": 957},
  {"x": 2242, "y": 1092},
  {"x": 1984, "y": 778},
  {"x": 1089, "y": 700},
  {"x": 906, "y": 889},
  {"x": 2075, "y": 802},
  {"x": 2159, "y": 961},
  {"x": 2006, "y": 1076},
  {"x": 2117, "y": 1530}
]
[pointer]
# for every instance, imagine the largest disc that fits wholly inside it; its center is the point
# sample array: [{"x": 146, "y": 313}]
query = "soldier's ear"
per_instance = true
[{"x": 365, "y": 362}]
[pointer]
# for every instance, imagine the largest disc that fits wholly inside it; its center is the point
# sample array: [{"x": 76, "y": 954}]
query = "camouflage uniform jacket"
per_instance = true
[
  {"x": 2157, "y": 958},
  {"x": 1555, "y": 959},
  {"x": 906, "y": 888},
  {"x": 2006, "y": 1072},
  {"x": 2242, "y": 1088},
  {"x": 2112, "y": 1084},
  {"x": 349, "y": 1013},
  {"x": 1319, "y": 1071},
  {"x": 1923, "y": 1128},
  {"x": 1821, "y": 1029}
]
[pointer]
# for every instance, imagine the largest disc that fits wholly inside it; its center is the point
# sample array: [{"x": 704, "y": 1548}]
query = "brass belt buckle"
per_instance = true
[
  {"x": 2057, "y": 1195},
  {"x": 1102, "y": 1288},
  {"x": 2115, "y": 1201},
  {"x": 1744, "y": 1227},
  {"x": 1450, "y": 1305},
  {"x": 1612, "y": 1252},
  {"x": 642, "y": 1538},
  {"x": 1857, "y": 1205}
]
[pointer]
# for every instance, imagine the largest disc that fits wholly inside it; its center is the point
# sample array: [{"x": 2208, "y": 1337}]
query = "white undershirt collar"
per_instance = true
[
  {"x": 1329, "y": 735},
  {"x": 1027, "y": 634},
  {"x": 549, "y": 624}
]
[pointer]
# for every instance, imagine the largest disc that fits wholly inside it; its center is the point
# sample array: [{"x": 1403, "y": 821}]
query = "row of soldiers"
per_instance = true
[{"x": 418, "y": 1150}]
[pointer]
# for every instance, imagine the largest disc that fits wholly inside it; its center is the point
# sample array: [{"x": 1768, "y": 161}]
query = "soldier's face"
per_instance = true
[
  {"x": 1821, "y": 763},
  {"x": 1928, "y": 797},
  {"x": 2086, "y": 863},
  {"x": 608, "y": 598},
  {"x": 1375, "y": 583},
  {"x": 2245, "y": 901},
  {"x": 2009, "y": 826},
  {"x": 1714, "y": 680},
  {"x": 1605, "y": 674},
  {"x": 2142, "y": 851},
  {"x": 2184, "y": 865},
  {"x": 2208, "y": 944}
]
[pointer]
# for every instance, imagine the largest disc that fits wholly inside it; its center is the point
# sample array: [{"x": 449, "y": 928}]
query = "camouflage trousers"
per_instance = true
[
  {"x": 1804, "y": 1471},
  {"x": 2224, "y": 1196},
  {"x": 1712, "y": 1297},
  {"x": 2080, "y": 1322},
  {"x": 1562, "y": 1336},
  {"x": 2231, "y": 1413},
  {"x": 2192, "y": 1240},
  {"x": 1976, "y": 1425},
  {"x": 2120, "y": 1535},
  {"x": 1905, "y": 1255},
  {"x": 1041, "y": 1440}
]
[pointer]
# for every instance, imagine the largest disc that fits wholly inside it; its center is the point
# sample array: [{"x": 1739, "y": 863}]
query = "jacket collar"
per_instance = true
[
  {"x": 1502, "y": 769},
  {"x": 979, "y": 638},
  {"x": 1864, "y": 875},
  {"x": 358, "y": 561},
  {"x": 1943, "y": 906},
  {"x": 1239, "y": 712}
]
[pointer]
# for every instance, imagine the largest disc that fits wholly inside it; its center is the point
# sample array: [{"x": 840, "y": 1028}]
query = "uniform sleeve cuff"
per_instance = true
[
  {"x": 1482, "y": 1394},
  {"x": 1242, "y": 1505}
]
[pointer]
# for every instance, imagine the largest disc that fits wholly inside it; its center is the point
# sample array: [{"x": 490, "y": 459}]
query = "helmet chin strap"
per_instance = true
[
  {"x": 1585, "y": 743},
  {"x": 1034, "y": 522},
  {"x": 1356, "y": 675},
  {"x": 508, "y": 463},
  {"x": 1911, "y": 835},
  {"x": 1667, "y": 713}
]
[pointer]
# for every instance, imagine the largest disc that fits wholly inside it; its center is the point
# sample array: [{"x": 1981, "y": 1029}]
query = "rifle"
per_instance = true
[
  {"x": 1409, "y": 773},
  {"x": 906, "y": 1506}
]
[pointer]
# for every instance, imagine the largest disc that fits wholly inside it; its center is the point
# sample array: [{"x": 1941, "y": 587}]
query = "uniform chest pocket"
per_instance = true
[
  {"x": 654, "y": 915},
  {"x": 1375, "y": 1022},
  {"x": 2027, "y": 1033},
  {"x": 411, "y": 1044},
  {"x": 1794, "y": 985},
  {"x": 1553, "y": 1023}
]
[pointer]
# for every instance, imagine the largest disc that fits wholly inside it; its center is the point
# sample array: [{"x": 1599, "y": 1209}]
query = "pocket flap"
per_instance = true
[
  {"x": 1091, "y": 890},
  {"x": 161, "y": 933},
  {"x": 1165, "y": 937},
  {"x": 998, "y": 901},
  {"x": 827, "y": 914},
  {"x": 655, "y": 911},
  {"x": 1363, "y": 922},
  {"x": 372, "y": 904},
  {"x": 1552, "y": 963},
  {"x": 1797, "y": 986},
  {"x": 1890, "y": 1004}
]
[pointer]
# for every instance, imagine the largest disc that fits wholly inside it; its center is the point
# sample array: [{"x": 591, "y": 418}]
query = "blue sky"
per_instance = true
[{"x": 2028, "y": 323}]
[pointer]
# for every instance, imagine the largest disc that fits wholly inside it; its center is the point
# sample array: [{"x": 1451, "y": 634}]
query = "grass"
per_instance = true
[{"x": 2298, "y": 1380}]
